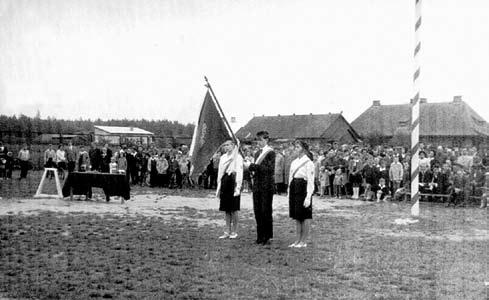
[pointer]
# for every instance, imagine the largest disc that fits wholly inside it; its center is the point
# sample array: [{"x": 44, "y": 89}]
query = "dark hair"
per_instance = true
[
  {"x": 263, "y": 134},
  {"x": 305, "y": 146}
]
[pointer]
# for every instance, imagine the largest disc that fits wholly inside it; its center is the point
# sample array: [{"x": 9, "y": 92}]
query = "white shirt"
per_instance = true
[
  {"x": 235, "y": 166},
  {"x": 305, "y": 171},
  {"x": 60, "y": 155}
]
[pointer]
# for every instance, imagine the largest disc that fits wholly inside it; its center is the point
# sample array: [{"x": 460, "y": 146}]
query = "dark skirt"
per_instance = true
[
  {"x": 297, "y": 195},
  {"x": 355, "y": 179},
  {"x": 228, "y": 202}
]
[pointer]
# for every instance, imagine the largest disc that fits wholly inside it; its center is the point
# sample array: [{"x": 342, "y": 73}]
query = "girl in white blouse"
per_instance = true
[{"x": 301, "y": 188}]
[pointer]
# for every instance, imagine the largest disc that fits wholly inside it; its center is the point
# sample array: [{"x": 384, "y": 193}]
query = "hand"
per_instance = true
[
  {"x": 217, "y": 193},
  {"x": 237, "y": 192},
  {"x": 307, "y": 202},
  {"x": 246, "y": 163}
]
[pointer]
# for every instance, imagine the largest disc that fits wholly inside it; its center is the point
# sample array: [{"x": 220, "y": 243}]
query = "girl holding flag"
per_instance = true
[{"x": 229, "y": 181}]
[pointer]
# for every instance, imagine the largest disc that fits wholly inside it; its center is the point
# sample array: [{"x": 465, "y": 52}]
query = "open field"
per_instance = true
[{"x": 163, "y": 244}]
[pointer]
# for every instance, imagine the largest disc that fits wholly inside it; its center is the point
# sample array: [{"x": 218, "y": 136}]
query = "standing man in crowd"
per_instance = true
[
  {"x": 61, "y": 160},
  {"x": 50, "y": 160},
  {"x": 95, "y": 156},
  {"x": 279, "y": 172},
  {"x": 24, "y": 157},
  {"x": 263, "y": 173},
  {"x": 71, "y": 157}
]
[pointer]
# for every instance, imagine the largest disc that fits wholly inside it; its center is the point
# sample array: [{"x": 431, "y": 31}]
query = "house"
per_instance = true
[
  {"x": 49, "y": 138},
  {"x": 452, "y": 124},
  {"x": 116, "y": 135},
  {"x": 317, "y": 130}
]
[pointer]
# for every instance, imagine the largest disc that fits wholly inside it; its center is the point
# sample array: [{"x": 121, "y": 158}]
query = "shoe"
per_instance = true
[
  {"x": 224, "y": 236},
  {"x": 233, "y": 235},
  {"x": 266, "y": 242},
  {"x": 293, "y": 245}
]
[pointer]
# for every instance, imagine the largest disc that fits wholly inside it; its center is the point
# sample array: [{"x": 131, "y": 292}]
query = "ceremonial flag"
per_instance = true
[{"x": 210, "y": 133}]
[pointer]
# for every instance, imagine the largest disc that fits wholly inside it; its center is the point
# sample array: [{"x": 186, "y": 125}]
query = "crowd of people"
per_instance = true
[
  {"x": 358, "y": 172},
  {"x": 351, "y": 171},
  {"x": 453, "y": 175}
]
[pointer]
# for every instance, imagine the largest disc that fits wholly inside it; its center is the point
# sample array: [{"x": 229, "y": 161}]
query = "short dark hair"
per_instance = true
[{"x": 263, "y": 134}]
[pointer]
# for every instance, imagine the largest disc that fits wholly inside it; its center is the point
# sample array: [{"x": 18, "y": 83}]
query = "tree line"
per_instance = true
[{"x": 24, "y": 129}]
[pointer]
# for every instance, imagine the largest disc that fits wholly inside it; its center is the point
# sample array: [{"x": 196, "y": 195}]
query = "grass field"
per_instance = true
[{"x": 355, "y": 252}]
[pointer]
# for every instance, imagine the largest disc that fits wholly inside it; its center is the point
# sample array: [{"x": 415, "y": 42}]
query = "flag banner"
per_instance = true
[{"x": 209, "y": 134}]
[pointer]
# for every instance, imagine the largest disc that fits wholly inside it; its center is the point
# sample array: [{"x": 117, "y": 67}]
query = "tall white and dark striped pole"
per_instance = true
[{"x": 415, "y": 114}]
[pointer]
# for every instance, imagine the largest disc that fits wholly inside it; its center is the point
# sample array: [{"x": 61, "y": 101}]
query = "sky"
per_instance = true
[{"x": 113, "y": 59}]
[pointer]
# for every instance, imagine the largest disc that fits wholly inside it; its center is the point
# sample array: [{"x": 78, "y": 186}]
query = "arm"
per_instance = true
[
  {"x": 239, "y": 175},
  {"x": 220, "y": 173},
  {"x": 267, "y": 165},
  {"x": 310, "y": 183}
]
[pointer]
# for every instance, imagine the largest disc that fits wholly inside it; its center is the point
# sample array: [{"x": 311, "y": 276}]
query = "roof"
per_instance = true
[
  {"x": 436, "y": 119},
  {"x": 290, "y": 127},
  {"x": 123, "y": 130}
]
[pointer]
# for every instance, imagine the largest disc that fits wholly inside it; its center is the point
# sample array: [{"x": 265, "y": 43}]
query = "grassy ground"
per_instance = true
[{"x": 356, "y": 252}]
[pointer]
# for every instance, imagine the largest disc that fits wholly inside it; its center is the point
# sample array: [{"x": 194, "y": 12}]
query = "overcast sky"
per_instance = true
[{"x": 147, "y": 58}]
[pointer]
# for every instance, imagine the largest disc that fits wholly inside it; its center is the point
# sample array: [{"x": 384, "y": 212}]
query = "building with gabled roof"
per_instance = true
[
  {"x": 316, "y": 129},
  {"x": 453, "y": 124},
  {"x": 116, "y": 135}
]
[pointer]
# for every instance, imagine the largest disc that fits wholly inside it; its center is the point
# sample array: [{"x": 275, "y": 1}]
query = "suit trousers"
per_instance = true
[{"x": 262, "y": 206}]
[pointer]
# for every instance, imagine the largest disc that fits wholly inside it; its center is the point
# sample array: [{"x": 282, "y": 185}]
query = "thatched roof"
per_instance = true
[
  {"x": 455, "y": 118},
  {"x": 294, "y": 126}
]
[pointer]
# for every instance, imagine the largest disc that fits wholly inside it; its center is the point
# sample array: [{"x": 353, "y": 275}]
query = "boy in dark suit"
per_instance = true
[{"x": 263, "y": 174}]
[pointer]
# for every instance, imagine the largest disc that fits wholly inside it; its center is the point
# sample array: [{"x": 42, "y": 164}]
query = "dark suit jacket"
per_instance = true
[
  {"x": 264, "y": 173},
  {"x": 425, "y": 177}
]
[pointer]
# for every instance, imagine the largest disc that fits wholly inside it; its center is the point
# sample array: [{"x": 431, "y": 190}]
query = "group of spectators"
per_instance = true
[
  {"x": 453, "y": 175},
  {"x": 358, "y": 172}
]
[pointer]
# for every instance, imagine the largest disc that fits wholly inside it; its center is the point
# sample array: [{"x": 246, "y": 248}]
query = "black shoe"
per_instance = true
[{"x": 266, "y": 242}]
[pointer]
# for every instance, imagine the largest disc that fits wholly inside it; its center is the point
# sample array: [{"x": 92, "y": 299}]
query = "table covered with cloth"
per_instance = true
[{"x": 81, "y": 183}]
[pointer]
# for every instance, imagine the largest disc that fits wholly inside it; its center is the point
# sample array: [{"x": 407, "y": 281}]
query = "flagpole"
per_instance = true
[
  {"x": 415, "y": 107},
  {"x": 208, "y": 85}
]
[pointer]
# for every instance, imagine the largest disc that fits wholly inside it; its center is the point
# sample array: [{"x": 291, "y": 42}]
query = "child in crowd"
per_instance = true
[
  {"x": 338, "y": 182},
  {"x": 324, "y": 181},
  {"x": 83, "y": 160},
  {"x": 458, "y": 183},
  {"x": 396, "y": 172},
  {"x": 383, "y": 191},
  {"x": 3, "y": 162},
  {"x": 121, "y": 162},
  {"x": 113, "y": 166},
  {"x": 9, "y": 165}
]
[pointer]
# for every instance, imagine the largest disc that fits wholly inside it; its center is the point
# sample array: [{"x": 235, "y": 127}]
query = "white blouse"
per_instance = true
[
  {"x": 305, "y": 171},
  {"x": 234, "y": 161}
]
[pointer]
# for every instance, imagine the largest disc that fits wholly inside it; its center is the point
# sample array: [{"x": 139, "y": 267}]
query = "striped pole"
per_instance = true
[{"x": 415, "y": 115}]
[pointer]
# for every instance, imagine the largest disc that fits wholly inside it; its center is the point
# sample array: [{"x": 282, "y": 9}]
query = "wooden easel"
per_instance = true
[{"x": 41, "y": 184}]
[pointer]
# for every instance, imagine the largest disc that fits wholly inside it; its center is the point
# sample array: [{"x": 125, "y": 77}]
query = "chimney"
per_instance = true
[
  {"x": 422, "y": 101},
  {"x": 376, "y": 103},
  {"x": 457, "y": 99}
]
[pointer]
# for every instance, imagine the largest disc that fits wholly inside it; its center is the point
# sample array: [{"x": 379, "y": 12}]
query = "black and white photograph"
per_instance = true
[{"x": 244, "y": 149}]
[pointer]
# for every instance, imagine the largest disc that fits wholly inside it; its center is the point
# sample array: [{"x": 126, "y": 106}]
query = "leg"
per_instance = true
[
  {"x": 258, "y": 217},
  {"x": 267, "y": 215},
  {"x": 306, "y": 225},
  {"x": 234, "y": 220},
  {"x": 227, "y": 230}
]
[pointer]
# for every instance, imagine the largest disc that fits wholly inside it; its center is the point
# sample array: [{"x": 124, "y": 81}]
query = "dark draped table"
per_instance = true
[{"x": 81, "y": 183}]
